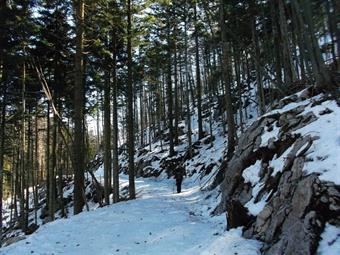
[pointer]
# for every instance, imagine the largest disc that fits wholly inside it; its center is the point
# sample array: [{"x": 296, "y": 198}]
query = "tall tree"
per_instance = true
[
  {"x": 107, "y": 139},
  {"x": 3, "y": 95},
  {"x": 187, "y": 92},
  {"x": 226, "y": 75},
  {"x": 169, "y": 82},
  {"x": 115, "y": 163},
  {"x": 78, "y": 161},
  {"x": 198, "y": 78},
  {"x": 130, "y": 140},
  {"x": 305, "y": 20}
]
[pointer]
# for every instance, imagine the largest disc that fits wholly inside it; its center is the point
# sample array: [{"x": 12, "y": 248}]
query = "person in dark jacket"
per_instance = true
[{"x": 179, "y": 173}]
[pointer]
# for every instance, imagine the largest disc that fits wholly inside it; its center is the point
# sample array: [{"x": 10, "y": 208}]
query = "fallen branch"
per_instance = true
[{"x": 49, "y": 97}]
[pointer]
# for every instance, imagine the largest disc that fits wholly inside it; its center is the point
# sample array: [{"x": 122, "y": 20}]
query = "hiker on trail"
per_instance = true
[{"x": 179, "y": 173}]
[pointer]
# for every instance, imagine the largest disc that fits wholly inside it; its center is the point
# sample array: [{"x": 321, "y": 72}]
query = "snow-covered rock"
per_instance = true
[{"x": 283, "y": 182}]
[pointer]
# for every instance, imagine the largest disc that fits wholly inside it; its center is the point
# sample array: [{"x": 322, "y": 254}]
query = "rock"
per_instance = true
[
  {"x": 31, "y": 229},
  {"x": 12, "y": 240},
  {"x": 325, "y": 111},
  {"x": 237, "y": 215},
  {"x": 141, "y": 152},
  {"x": 302, "y": 196},
  {"x": 43, "y": 213},
  {"x": 324, "y": 199},
  {"x": 298, "y": 204},
  {"x": 263, "y": 216},
  {"x": 209, "y": 168},
  {"x": 333, "y": 191},
  {"x": 151, "y": 172},
  {"x": 305, "y": 94},
  {"x": 208, "y": 139}
]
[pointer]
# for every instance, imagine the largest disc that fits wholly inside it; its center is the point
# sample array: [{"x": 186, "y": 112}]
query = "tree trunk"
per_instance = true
[
  {"x": 260, "y": 93},
  {"x": 79, "y": 110},
  {"x": 176, "y": 91},
  {"x": 305, "y": 22},
  {"x": 198, "y": 79},
  {"x": 169, "y": 88},
  {"x": 115, "y": 165},
  {"x": 332, "y": 25},
  {"x": 187, "y": 92},
  {"x": 287, "y": 56},
  {"x": 336, "y": 6},
  {"x": 53, "y": 169},
  {"x": 107, "y": 140},
  {"x": 47, "y": 155},
  {"x": 226, "y": 73},
  {"x": 28, "y": 168},
  {"x": 2, "y": 139},
  {"x": 23, "y": 153},
  {"x": 130, "y": 140},
  {"x": 141, "y": 112}
]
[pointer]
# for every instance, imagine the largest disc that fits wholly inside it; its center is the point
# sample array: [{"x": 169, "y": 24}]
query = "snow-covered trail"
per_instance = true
[{"x": 157, "y": 222}]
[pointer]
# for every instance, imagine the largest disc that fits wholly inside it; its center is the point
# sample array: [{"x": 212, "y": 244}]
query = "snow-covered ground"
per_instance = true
[
  {"x": 159, "y": 221},
  {"x": 330, "y": 241},
  {"x": 162, "y": 222}
]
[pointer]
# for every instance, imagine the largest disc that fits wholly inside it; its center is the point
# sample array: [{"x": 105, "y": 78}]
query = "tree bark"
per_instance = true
[
  {"x": 2, "y": 139},
  {"x": 305, "y": 22},
  {"x": 130, "y": 140},
  {"x": 23, "y": 153},
  {"x": 107, "y": 140},
  {"x": 290, "y": 75},
  {"x": 79, "y": 110},
  {"x": 198, "y": 79},
  {"x": 115, "y": 165},
  {"x": 260, "y": 93},
  {"x": 169, "y": 87},
  {"x": 226, "y": 73},
  {"x": 187, "y": 92}
]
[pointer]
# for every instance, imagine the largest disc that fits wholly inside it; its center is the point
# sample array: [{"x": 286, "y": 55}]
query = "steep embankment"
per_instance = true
[{"x": 282, "y": 184}]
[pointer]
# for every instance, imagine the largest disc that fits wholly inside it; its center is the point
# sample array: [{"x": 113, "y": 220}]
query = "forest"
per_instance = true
[{"x": 101, "y": 102}]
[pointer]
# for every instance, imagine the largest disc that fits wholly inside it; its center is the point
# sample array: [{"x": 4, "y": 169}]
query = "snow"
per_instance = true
[
  {"x": 268, "y": 135},
  {"x": 277, "y": 163},
  {"x": 251, "y": 175},
  {"x": 161, "y": 222},
  {"x": 324, "y": 153},
  {"x": 322, "y": 156},
  {"x": 181, "y": 223},
  {"x": 286, "y": 108},
  {"x": 157, "y": 222},
  {"x": 330, "y": 241},
  {"x": 256, "y": 208},
  {"x": 326, "y": 150}
]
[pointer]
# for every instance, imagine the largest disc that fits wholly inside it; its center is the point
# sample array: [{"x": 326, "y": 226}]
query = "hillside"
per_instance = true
[
  {"x": 170, "y": 127},
  {"x": 283, "y": 179}
]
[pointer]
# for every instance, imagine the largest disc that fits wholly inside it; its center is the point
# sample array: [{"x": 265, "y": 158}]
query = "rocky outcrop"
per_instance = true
[{"x": 283, "y": 206}]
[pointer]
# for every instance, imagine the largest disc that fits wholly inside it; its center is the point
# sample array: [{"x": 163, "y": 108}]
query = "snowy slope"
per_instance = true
[
  {"x": 322, "y": 156},
  {"x": 157, "y": 222},
  {"x": 201, "y": 170},
  {"x": 289, "y": 190}
]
